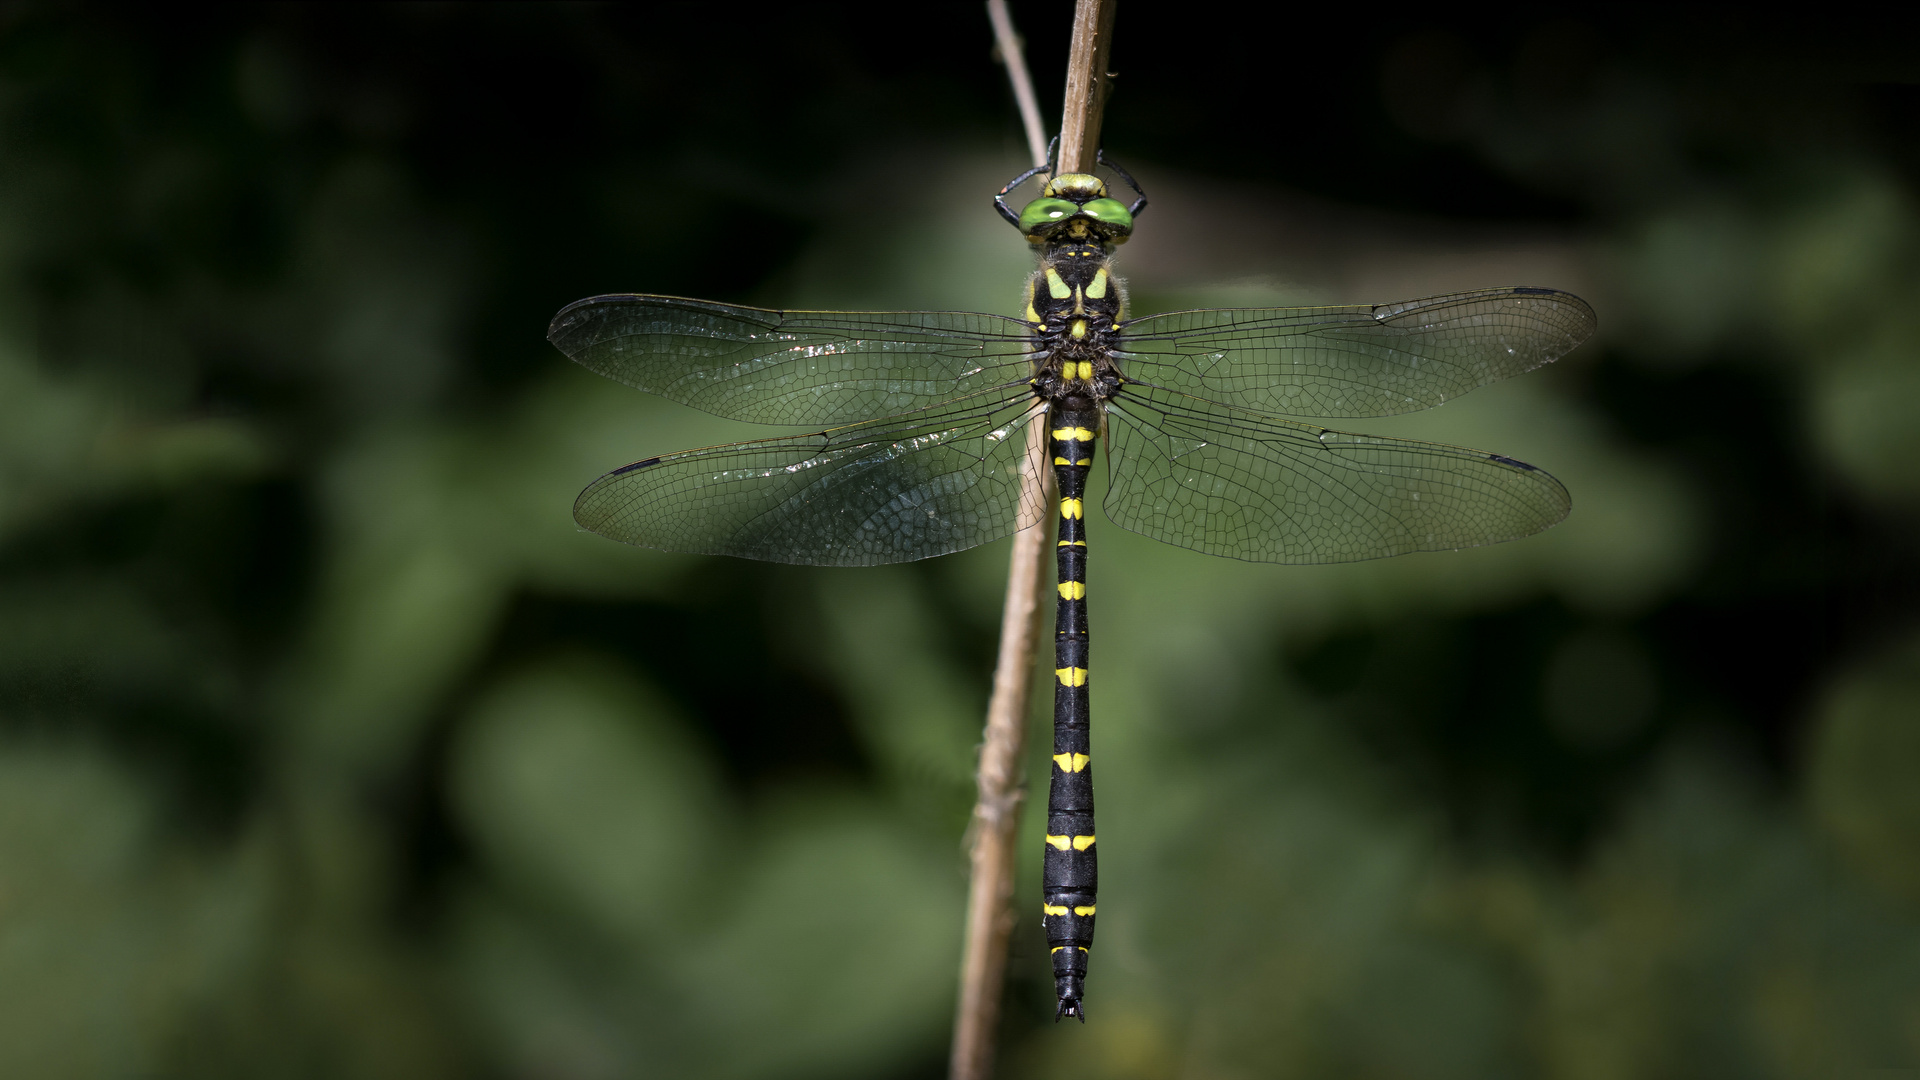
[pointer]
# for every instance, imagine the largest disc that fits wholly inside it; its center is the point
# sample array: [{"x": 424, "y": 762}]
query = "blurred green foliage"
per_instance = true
[{"x": 329, "y": 747}]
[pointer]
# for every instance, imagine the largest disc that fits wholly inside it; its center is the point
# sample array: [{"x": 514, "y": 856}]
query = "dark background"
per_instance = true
[{"x": 329, "y": 747}]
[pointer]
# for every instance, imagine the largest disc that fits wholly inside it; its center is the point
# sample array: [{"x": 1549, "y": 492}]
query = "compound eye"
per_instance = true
[
  {"x": 1041, "y": 213},
  {"x": 1109, "y": 212}
]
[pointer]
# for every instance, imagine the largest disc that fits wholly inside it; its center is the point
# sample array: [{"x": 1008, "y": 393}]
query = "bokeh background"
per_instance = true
[{"x": 330, "y": 748}]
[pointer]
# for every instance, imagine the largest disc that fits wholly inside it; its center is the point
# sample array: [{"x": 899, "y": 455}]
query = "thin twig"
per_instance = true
[
  {"x": 996, "y": 812},
  {"x": 1013, "y": 53}
]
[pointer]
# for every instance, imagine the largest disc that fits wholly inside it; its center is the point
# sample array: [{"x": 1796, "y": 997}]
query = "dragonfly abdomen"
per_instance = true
[{"x": 1070, "y": 870}]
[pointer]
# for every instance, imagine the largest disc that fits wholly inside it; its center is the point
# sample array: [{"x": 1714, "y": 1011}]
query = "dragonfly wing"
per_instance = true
[
  {"x": 1355, "y": 361},
  {"x": 792, "y": 367},
  {"x": 892, "y": 490},
  {"x": 1202, "y": 476}
]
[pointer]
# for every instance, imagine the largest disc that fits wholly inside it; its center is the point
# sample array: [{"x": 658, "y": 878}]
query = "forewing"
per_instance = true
[
  {"x": 792, "y": 367},
  {"x": 892, "y": 490},
  {"x": 1355, "y": 361},
  {"x": 1226, "y": 482}
]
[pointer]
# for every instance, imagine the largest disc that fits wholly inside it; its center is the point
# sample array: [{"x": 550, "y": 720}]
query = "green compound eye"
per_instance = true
[
  {"x": 1041, "y": 213},
  {"x": 1109, "y": 212}
]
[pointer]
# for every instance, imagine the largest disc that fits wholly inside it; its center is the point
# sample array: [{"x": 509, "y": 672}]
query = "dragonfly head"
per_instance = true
[
  {"x": 1080, "y": 187},
  {"x": 1078, "y": 203}
]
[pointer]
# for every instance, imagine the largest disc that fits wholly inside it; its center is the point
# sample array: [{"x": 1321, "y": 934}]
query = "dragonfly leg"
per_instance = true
[
  {"x": 1101, "y": 157},
  {"x": 1000, "y": 199}
]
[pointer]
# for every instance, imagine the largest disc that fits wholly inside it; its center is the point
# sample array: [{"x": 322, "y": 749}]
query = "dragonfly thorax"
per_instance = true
[
  {"x": 1075, "y": 306},
  {"x": 1069, "y": 382}
]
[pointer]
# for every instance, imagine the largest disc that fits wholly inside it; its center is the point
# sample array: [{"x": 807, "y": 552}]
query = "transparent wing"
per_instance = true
[
  {"x": 791, "y": 367},
  {"x": 1202, "y": 476},
  {"x": 892, "y": 490},
  {"x": 1355, "y": 361}
]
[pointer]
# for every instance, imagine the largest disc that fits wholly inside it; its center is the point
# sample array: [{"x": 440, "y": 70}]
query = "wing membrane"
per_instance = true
[
  {"x": 1199, "y": 475},
  {"x": 1355, "y": 361},
  {"x": 891, "y": 490},
  {"x": 792, "y": 367}
]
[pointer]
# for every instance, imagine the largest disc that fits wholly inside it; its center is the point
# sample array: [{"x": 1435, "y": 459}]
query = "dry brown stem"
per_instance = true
[
  {"x": 996, "y": 812},
  {"x": 1086, "y": 85}
]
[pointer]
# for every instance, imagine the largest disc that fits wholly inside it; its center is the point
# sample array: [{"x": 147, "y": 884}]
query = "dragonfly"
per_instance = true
[{"x": 920, "y": 442}]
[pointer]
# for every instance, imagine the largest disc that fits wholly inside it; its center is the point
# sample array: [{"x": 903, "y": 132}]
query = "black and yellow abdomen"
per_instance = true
[{"x": 1070, "y": 872}]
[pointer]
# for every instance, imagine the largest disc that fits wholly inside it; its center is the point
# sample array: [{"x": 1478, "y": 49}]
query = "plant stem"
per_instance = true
[
  {"x": 996, "y": 812},
  {"x": 1086, "y": 85},
  {"x": 1013, "y": 54}
]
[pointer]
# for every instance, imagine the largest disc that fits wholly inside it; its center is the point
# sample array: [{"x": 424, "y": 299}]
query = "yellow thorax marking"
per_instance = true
[
  {"x": 1084, "y": 909},
  {"x": 1061, "y": 842},
  {"x": 1071, "y": 676},
  {"x": 1082, "y": 843},
  {"x": 1098, "y": 290},
  {"x": 1073, "y": 590},
  {"x": 1073, "y": 434},
  {"x": 1071, "y": 762},
  {"x": 1057, "y": 285},
  {"x": 1053, "y": 909},
  {"x": 1079, "y": 302},
  {"x": 1078, "y": 329}
]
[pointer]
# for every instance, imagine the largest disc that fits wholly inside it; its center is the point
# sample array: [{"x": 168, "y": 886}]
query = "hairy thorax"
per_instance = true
[{"x": 1075, "y": 305}]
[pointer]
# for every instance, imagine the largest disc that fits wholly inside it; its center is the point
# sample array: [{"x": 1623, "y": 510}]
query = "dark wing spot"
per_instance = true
[
  {"x": 1509, "y": 461},
  {"x": 1533, "y": 290},
  {"x": 636, "y": 465}
]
